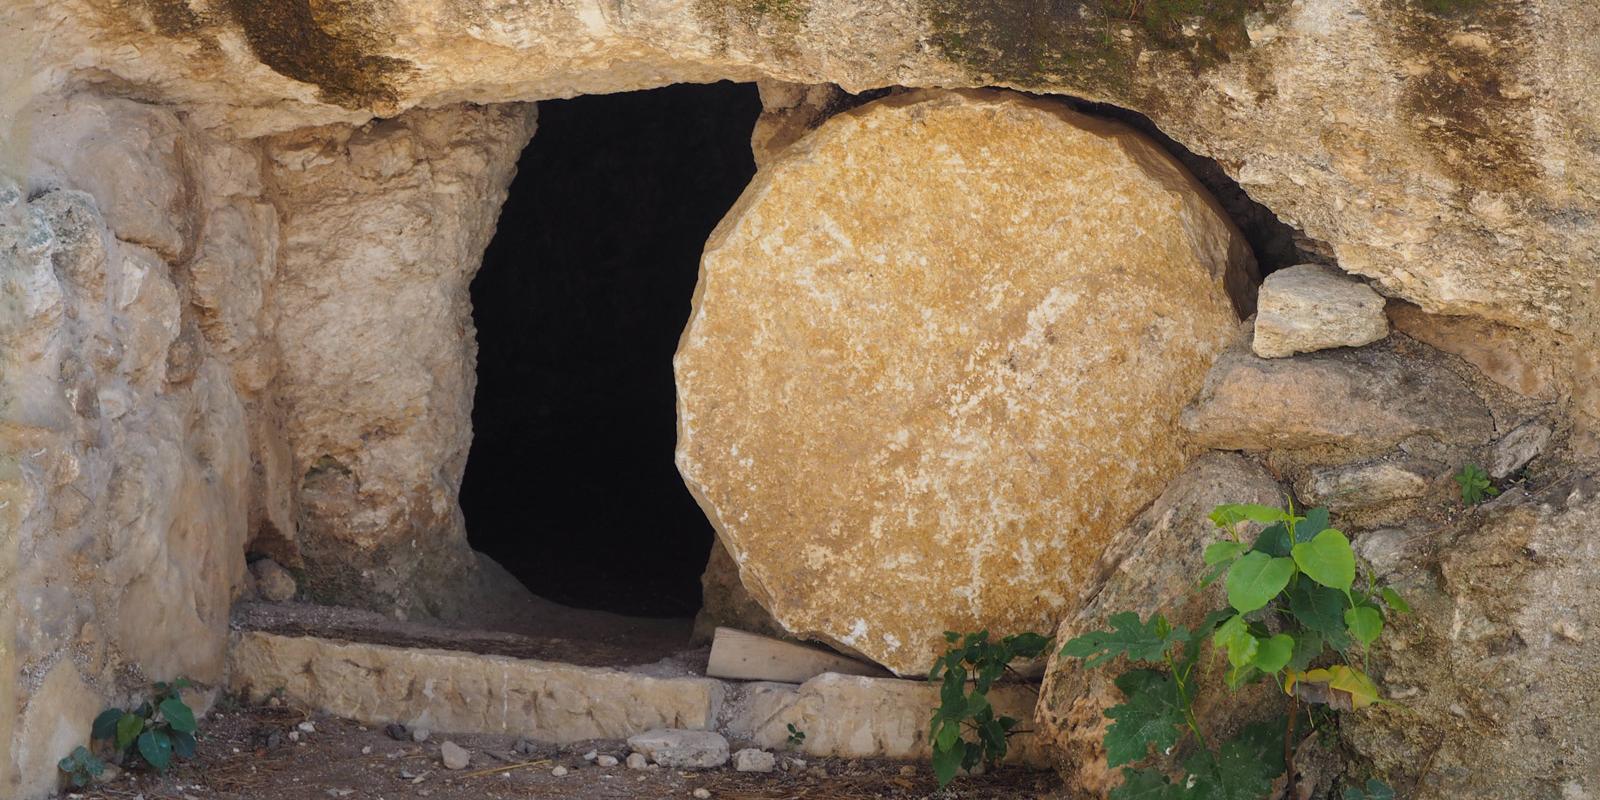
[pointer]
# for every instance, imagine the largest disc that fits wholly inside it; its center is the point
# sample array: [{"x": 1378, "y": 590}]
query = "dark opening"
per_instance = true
[{"x": 583, "y": 294}]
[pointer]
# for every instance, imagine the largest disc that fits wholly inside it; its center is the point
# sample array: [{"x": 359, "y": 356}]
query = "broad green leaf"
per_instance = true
[
  {"x": 977, "y": 704},
  {"x": 178, "y": 715},
  {"x": 1364, "y": 623},
  {"x": 1146, "y": 641},
  {"x": 1328, "y": 560},
  {"x": 947, "y": 761},
  {"x": 1151, "y": 715},
  {"x": 1223, "y": 551},
  {"x": 1320, "y": 609},
  {"x": 1316, "y": 522},
  {"x": 1226, "y": 516},
  {"x": 1027, "y": 645},
  {"x": 1273, "y": 654},
  {"x": 156, "y": 748},
  {"x": 1255, "y": 579},
  {"x": 183, "y": 744},
  {"x": 1240, "y": 770},
  {"x": 128, "y": 728},
  {"x": 1308, "y": 645},
  {"x": 1393, "y": 600},
  {"x": 105, "y": 725},
  {"x": 1234, "y": 638},
  {"x": 1274, "y": 541},
  {"x": 1145, "y": 784}
]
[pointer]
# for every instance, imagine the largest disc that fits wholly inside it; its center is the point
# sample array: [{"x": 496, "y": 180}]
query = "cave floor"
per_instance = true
[{"x": 246, "y": 753}]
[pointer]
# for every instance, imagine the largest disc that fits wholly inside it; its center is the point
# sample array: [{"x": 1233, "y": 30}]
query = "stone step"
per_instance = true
[{"x": 462, "y": 692}]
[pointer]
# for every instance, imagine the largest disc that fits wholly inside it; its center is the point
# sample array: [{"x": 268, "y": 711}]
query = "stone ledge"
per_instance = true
[{"x": 459, "y": 692}]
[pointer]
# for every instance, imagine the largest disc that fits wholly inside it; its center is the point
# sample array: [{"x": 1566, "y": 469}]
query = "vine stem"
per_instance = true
[{"x": 1188, "y": 702}]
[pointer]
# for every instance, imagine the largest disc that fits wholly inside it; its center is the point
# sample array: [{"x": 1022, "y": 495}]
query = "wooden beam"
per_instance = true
[{"x": 745, "y": 656}]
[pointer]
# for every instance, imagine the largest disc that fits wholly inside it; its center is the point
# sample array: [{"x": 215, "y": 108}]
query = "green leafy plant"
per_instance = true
[
  {"x": 796, "y": 738},
  {"x": 156, "y": 731},
  {"x": 965, "y": 673},
  {"x": 81, "y": 767},
  {"x": 1375, "y": 790},
  {"x": 1295, "y": 615},
  {"x": 1475, "y": 485}
]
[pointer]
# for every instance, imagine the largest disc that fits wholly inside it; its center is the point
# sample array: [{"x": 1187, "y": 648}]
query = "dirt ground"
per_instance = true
[{"x": 247, "y": 753}]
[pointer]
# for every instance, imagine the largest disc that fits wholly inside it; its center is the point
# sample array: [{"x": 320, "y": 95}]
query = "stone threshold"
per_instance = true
[{"x": 451, "y": 691}]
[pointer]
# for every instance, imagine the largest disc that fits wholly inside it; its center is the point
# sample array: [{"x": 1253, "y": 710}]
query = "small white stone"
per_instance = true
[
  {"x": 294, "y": 736},
  {"x": 559, "y": 771},
  {"x": 753, "y": 759},
  {"x": 637, "y": 761},
  {"x": 606, "y": 761},
  {"x": 591, "y": 755},
  {"x": 366, "y": 751},
  {"x": 455, "y": 756},
  {"x": 682, "y": 749},
  {"x": 1311, "y": 307},
  {"x": 420, "y": 735},
  {"x": 307, "y": 727},
  {"x": 702, "y": 794}
]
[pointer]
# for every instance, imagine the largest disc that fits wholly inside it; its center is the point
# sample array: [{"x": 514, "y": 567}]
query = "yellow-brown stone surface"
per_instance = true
[{"x": 936, "y": 359}]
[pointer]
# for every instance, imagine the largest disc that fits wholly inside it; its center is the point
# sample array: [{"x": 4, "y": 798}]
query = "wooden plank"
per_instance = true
[{"x": 746, "y": 656}]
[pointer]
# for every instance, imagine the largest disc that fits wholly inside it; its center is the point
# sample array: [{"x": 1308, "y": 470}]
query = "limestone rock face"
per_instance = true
[
  {"x": 126, "y": 456},
  {"x": 1151, "y": 566},
  {"x": 1362, "y": 402},
  {"x": 1310, "y": 307},
  {"x": 936, "y": 358},
  {"x": 383, "y": 231},
  {"x": 1496, "y": 665}
]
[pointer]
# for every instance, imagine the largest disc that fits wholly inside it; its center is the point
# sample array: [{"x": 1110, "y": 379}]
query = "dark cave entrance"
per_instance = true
[{"x": 582, "y": 296}]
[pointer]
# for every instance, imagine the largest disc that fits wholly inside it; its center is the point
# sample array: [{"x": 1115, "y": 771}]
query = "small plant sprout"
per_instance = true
[
  {"x": 155, "y": 731},
  {"x": 1296, "y": 615},
  {"x": 796, "y": 738},
  {"x": 962, "y": 713},
  {"x": 81, "y": 767},
  {"x": 1475, "y": 485}
]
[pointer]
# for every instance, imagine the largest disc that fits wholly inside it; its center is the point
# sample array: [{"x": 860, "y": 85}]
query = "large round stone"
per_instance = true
[{"x": 936, "y": 359}]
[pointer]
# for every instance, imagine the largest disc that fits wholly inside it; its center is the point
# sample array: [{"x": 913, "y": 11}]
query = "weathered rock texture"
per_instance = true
[
  {"x": 129, "y": 478},
  {"x": 383, "y": 228},
  {"x": 918, "y": 393},
  {"x": 1448, "y": 161},
  {"x": 1494, "y": 674},
  {"x": 1311, "y": 307},
  {"x": 1150, "y": 566}
]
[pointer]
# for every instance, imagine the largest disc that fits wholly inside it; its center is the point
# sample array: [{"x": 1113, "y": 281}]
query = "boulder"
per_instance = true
[
  {"x": 1493, "y": 676},
  {"x": 681, "y": 749},
  {"x": 1311, "y": 307},
  {"x": 1152, "y": 565},
  {"x": 1358, "y": 402},
  {"x": 726, "y": 603},
  {"x": 936, "y": 358}
]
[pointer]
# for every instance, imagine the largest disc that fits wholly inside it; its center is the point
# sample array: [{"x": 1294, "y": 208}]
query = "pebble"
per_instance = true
[
  {"x": 559, "y": 772},
  {"x": 366, "y": 751},
  {"x": 306, "y": 727},
  {"x": 294, "y": 736},
  {"x": 702, "y": 794},
  {"x": 524, "y": 747},
  {"x": 455, "y": 756},
  {"x": 606, "y": 761},
  {"x": 420, "y": 735},
  {"x": 397, "y": 731},
  {"x": 591, "y": 755},
  {"x": 637, "y": 761}
]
